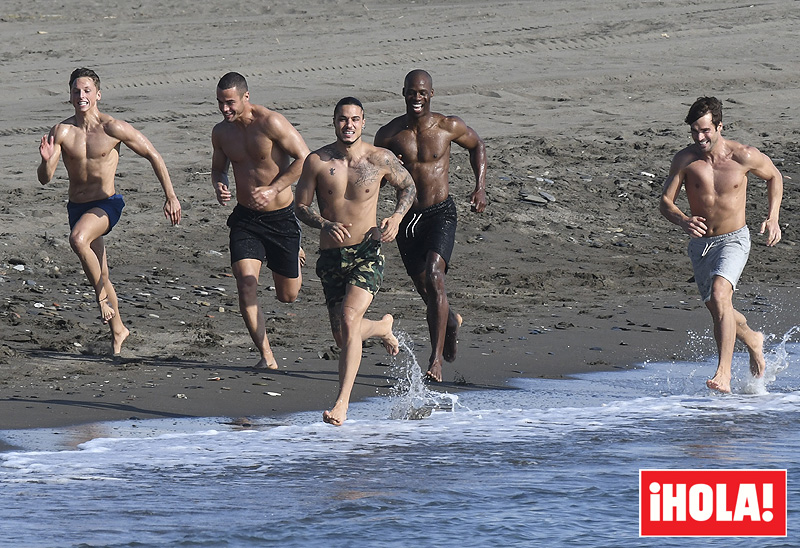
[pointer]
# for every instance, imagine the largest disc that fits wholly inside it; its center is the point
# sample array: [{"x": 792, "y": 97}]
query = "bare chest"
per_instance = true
[
  {"x": 352, "y": 182},
  {"x": 721, "y": 179},
  {"x": 423, "y": 147},
  {"x": 248, "y": 147},
  {"x": 90, "y": 145}
]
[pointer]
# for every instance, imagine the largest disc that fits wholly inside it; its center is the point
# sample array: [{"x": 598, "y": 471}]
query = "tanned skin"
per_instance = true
[
  {"x": 89, "y": 141},
  {"x": 345, "y": 177},
  {"x": 714, "y": 173},
  {"x": 267, "y": 155},
  {"x": 421, "y": 139}
]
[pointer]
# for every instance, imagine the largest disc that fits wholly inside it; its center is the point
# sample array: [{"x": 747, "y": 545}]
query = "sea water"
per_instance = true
[{"x": 543, "y": 463}]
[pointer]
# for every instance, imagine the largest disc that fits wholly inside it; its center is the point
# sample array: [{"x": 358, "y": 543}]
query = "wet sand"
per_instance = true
[{"x": 571, "y": 268}]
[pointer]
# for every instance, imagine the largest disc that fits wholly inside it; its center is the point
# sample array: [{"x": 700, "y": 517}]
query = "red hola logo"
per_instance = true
[{"x": 712, "y": 503}]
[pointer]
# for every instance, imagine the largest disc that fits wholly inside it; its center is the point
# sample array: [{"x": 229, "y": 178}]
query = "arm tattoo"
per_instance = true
[{"x": 309, "y": 216}]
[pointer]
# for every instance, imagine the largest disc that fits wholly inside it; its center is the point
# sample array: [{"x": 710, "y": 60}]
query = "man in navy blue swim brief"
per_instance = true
[
  {"x": 112, "y": 206},
  {"x": 90, "y": 142}
]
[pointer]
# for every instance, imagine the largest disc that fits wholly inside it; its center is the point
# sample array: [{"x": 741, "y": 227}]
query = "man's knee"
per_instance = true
[
  {"x": 78, "y": 241},
  {"x": 246, "y": 285},
  {"x": 286, "y": 292},
  {"x": 286, "y": 297},
  {"x": 721, "y": 291}
]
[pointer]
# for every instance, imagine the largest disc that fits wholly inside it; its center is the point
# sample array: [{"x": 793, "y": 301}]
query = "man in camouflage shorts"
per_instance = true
[
  {"x": 345, "y": 178},
  {"x": 359, "y": 265}
]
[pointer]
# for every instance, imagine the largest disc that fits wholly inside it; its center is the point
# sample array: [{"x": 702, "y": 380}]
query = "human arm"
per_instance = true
[
  {"x": 50, "y": 151},
  {"x": 398, "y": 177},
  {"x": 288, "y": 139},
  {"x": 141, "y": 145},
  {"x": 467, "y": 138},
  {"x": 304, "y": 196},
  {"x": 219, "y": 171},
  {"x": 765, "y": 169},
  {"x": 693, "y": 225}
]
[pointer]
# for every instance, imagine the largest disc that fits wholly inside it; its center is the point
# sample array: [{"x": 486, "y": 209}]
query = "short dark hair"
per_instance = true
[
  {"x": 347, "y": 101},
  {"x": 84, "y": 73},
  {"x": 703, "y": 106},
  {"x": 233, "y": 80}
]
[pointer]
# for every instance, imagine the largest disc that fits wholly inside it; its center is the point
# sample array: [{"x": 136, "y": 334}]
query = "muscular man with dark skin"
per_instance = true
[
  {"x": 345, "y": 177},
  {"x": 267, "y": 155},
  {"x": 421, "y": 139},
  {"x": 89, "y": 142},
  {"x": 714, "y": 172}
]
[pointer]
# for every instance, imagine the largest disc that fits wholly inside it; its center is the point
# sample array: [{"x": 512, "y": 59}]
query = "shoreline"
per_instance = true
[
  {"x": 571, "y": 268},
  {"x": 569, "y": 341}
]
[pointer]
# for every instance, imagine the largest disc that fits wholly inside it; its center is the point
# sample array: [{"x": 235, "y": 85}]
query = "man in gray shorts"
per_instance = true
[{"x": 714, "y": 173}]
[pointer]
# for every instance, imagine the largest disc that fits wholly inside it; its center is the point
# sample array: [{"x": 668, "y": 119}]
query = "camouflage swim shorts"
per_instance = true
[{"x": 359, "y": 265}]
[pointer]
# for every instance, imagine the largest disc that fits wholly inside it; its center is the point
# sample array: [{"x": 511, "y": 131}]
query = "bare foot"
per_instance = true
[
  {"x": 434, "y": 372},
  {"x": 335, "y": 416},
  {"x": 106, "y": 312},
  {"x": 757, "y": 362},
  {"x": 117, "y": 339},
  {"x": 451, "y": 340},
  {"x": 267, "y": 362},
  {"x": 719, "y": 384},
  {"x": 390, "y": 342}
]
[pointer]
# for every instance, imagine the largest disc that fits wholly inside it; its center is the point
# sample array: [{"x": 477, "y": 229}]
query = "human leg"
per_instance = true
[
  {"x": 89, "y": 229},
  {"x": 287, "y": 289},
  {"x": 754, "y": 340},
  {"x": 246, "y": 272},
  {"x": 443, "y": 323},
  {"x": 724, "y": 318},
  {"x": 118, "y": 330},
  {"x": 350, "y": 329},
  {"x": 86, "y": 240}
]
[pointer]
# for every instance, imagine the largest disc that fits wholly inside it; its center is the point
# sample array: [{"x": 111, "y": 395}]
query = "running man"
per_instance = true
[
  {"x": 714, "y": 173},
  {"x": 267, "y": 155},
  {"x": 90, "y": 143},
  {"x": 421, "y": 139},
  {"x": 346, "y": 178}
]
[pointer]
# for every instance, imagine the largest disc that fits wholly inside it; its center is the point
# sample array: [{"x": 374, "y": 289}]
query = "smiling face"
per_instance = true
[
  {"x": 417, "y": 91},
  {"x": 84, "y": 94},
  {"x": 349, "y": 123},
  {"x": 232, "y": 103},
  {"x": 704, "y": 133}
]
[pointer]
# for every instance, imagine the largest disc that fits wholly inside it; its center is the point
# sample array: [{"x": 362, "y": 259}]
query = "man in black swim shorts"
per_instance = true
[
  {"x": 422, "y": 139},
  {"x": 267, "y": 155}
]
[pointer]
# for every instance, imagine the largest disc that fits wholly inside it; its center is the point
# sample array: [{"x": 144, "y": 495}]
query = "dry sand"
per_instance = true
[{"x": 581, "y": 100}]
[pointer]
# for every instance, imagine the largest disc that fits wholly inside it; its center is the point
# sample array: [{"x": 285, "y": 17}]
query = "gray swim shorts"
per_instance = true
[{"x": 724, "y": 255}]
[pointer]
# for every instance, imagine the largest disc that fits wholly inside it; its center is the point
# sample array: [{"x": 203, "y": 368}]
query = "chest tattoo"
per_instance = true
[{"x": 366, "y": 174}]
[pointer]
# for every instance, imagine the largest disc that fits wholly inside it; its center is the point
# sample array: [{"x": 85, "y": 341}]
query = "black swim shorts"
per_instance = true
[
  {"x": 359, "y": 265},
  {"x": 429, "y": 229},
  {"x": 268, "y": 236},
  {"x": 112, "y": 206}
]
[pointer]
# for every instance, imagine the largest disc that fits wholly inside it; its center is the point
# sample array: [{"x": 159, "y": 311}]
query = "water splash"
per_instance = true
[
  {"x": 777, "y": 360},
  {"x": 411, "y": 399}
]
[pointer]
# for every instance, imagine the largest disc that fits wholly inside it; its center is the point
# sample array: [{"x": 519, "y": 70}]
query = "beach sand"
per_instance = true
[{"x": 580, "y": 103}]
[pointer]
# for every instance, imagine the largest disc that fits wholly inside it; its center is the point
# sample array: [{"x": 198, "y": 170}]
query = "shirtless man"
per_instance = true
[
  {"x": 89, "y": 141},
  {"x": 267, "y": 155},
  {"x": 421, "y": 139},
  {"x": 346, "y": 178},
  {"x": 714, "y": 173}
]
